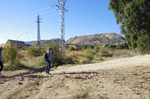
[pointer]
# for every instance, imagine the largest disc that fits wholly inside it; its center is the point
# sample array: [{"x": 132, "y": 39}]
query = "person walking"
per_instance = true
[
  {"x": 50, "y": 52},
  {"x": 1, "y": 64}
]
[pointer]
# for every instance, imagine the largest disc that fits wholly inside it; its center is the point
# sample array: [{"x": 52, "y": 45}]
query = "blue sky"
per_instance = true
[{"x": 84, "y": 17}]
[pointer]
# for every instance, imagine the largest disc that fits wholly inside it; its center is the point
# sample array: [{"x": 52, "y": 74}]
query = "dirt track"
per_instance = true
[
  {"x": 126, "y": 78},
  {"x": 112, "y": 64}
]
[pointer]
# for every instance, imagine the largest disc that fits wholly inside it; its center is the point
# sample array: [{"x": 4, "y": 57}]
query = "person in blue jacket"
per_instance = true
[
  {"x": 1, "y": 64},
  {"x": 50, "y": 52}
]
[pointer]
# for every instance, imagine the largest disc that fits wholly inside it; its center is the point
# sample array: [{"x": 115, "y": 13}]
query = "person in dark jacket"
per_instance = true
[
  {"x": 50, "y": 52},
  {"x": 1, "y": 64}
]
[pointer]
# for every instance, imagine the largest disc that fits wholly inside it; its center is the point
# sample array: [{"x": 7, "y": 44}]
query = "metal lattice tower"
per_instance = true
[
  {"x": 38, "y": 30},
  {"x": 62, "y": 24}
]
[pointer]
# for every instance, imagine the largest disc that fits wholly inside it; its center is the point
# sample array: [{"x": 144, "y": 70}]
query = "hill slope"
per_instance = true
[
  {"x": 44, "y": 42},
  {"x": 97, "y": 38}
]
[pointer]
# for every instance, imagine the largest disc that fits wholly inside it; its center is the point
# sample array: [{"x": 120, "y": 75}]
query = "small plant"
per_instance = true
[
  {"x": 71, "y": 48},
  {"x": 101, "y": 59},
  {"x": 90, "y": 46},
  {"x": 122, "y": 46},
  {"x": 41, "y": 63},
  {"x": 89, "y": 54},
  {"x": 105, "y": 52},
  {"x": 69, "y": 60},
  {"x": 103, "y": 97},
  {"x": 11, "y": 55},
  {"x": 112, "y": 46},
  {"x": 16, "y": 66},
  {"x": 81, "y": 94},
  {"x": 34, "y": 51}
]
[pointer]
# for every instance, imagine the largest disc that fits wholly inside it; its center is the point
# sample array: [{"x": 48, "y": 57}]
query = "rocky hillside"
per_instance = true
[
  {"x": 44, "y": 42},
  {"x": 97, "y": 38}
]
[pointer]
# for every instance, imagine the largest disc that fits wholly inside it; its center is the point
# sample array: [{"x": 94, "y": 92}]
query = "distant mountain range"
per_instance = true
[
  {"x": 96, "y": 39},
  {"x": 102, "y": 38}
]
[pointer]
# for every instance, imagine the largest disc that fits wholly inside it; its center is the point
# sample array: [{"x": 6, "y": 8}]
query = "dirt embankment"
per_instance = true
[{"x": 126, "y": 78}]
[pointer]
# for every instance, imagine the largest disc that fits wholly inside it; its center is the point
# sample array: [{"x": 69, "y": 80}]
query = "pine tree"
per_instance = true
[{"x": 134, "y": 17}]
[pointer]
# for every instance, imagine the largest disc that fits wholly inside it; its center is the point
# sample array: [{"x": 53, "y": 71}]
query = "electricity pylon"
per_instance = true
[
  {"x": 61, "y": 6},
  {"x": 38, "y": 30}
]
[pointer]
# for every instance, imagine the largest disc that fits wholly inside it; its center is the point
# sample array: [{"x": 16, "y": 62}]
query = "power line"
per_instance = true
[
  {"x": 53, "y": 2},
  {"x": 28, "y": 21},
  {"x": 17, "y": 20},
  {"x": 51, "y": 15},
  {"x": 25, "y": 18},
  {"x": 21, "y": 35},
  {"x": 26, "y": 14},
  {"x": 71, "y": 4}
]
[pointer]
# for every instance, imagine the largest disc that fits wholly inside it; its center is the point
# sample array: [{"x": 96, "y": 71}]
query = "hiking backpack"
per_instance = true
[{"x": 45, "y": 56}]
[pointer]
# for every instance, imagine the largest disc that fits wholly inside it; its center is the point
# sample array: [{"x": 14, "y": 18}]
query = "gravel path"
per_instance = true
[{"x": 112, "y": 64}]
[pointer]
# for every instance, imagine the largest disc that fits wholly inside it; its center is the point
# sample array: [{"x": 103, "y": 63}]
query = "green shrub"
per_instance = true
[
  {"x": 84, "y": 46},
  {"x": 89, "y": 54},
  {"x": 71, "y": 48},
  {"x": 122, "y": 46},
  {"x": 16, "y": 66},
  {"x": 11, "y": 55},
  {"x": 41, "y": 63},
  {"x": 105, "y": 52},
  {"x": 69, "y": 60},
  {"x": 97, "y": 49},
  {"x": 57, "y": 58},
  {"x": 90, "y": 46},
  {"x": 112, "y": 46},
  {"x": 79, "y": 46},
  {"x": 34, "y": 51}
]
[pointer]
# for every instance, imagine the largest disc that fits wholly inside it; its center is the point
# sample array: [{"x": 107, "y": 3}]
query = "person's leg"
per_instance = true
[
  {"x": 48, "y": 66},
  {"x": 1, "y": 67}
]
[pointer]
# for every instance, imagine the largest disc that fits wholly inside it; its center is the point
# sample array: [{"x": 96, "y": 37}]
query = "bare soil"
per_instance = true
[{"x": 125, "y": 78}]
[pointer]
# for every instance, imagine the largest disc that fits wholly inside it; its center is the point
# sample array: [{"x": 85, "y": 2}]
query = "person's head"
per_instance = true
[
  {"x": 1, "y": 49},
  {"x": 50, "y": 49}
]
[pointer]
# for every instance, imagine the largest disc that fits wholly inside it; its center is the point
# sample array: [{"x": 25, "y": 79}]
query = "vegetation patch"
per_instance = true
[{"x": 89, "y": 54}]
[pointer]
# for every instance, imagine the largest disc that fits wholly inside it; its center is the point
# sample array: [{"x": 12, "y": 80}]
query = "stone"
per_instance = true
[
  {"x": 20, "y": 83},
  {"x": 1, "y": 82}
]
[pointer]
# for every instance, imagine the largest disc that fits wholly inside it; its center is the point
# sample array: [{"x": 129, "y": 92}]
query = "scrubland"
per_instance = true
[{"x": 102, "y": 73}]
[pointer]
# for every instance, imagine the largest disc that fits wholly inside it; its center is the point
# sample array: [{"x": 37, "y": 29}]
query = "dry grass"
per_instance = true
[
  {"x": 25, "y": 93},
  {"x": 81, "y": 94},
  {"x": 102, "y": 55},
  {"x": 78, "y": 57}
]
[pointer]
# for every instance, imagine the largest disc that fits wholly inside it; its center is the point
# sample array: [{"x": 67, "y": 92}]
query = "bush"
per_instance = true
[
  {"x": 89, "y": 54},
  {"x": 84, "y": 46},
  {"x": 41, "y": 63},
  {"x": 122, "y": 46},
  {"x": 17, "y": 66},
  {"x": 112, "y": 46},
  {"x": 57, "y": 58},
  {"x": 11, "y": 55},
  {"x": 71, "y": 48},
  {"x": 69, "y": 60},
  {"x": 79, "y": 46},
  {"x": 90, "y": 46},
  {"x": 105, "y": 52},
  {"x": 34, "y": 51}
]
